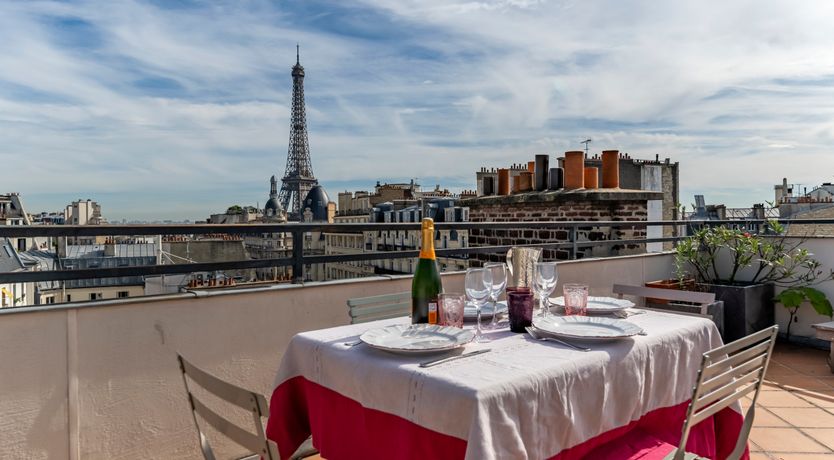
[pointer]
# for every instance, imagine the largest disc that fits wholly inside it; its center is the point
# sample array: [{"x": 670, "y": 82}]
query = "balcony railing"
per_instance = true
[{"x": 298, "y": 259}]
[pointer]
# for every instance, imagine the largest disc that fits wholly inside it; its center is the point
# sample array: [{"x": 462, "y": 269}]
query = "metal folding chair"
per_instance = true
[
  {"x": 727, "y": 374},
  {"x": 703, "y": 303},
  {"x": 253, "y": 402}
]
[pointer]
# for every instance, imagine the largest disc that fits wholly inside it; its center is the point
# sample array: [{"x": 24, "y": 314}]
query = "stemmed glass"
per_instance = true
[
  {"x": 544, "y": 282},
  {"x": 478, "y": 285},
  {"x": 498, "y": 270}
]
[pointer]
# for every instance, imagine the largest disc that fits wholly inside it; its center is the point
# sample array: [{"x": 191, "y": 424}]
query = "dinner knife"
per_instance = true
[{"x": 435, "y": 362}]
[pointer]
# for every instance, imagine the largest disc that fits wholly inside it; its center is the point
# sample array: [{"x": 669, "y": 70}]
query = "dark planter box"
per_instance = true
[{"x": 747, "y": 309}]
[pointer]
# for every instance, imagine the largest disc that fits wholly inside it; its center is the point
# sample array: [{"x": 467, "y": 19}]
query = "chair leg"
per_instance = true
[
  {"x": 683, "y": 456},
  {"x": 743, "y": 434}
]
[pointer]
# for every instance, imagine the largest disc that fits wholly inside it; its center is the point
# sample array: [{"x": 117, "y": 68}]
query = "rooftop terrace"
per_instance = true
[{"x": 100, "y": 379}]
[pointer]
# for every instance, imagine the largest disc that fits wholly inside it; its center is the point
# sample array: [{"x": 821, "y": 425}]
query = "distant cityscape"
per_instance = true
[{"x": 577, "y": 186}]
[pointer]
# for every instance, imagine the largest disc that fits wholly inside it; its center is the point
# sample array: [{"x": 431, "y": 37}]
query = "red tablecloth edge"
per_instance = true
[{"x": 299, "y": 407}]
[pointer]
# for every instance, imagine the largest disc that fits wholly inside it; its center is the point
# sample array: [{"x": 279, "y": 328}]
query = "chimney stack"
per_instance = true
[
  {"x": 524, "y": 181},
  {"x": 574, "y": 172},
  {"x": 542, "y": 169},
  {"x": 503, "y": 181},
  {"x": 591, "y": 178},
  {"x": 557, "y": 179},
  {"x": 488, "y": 186},
  {"x": 610, "y": 169}
]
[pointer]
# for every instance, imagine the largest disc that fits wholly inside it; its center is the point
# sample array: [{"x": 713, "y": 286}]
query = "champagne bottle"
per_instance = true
[{"x": 426, "y": 285}]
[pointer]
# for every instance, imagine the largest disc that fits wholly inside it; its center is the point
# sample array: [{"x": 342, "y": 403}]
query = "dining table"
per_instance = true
[{"x": 523, "y": 399}]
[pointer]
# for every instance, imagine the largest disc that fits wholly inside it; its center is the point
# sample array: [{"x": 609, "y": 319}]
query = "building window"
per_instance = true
[
  {"x": 95, "y": 295},
  {"x": 50, "y": 300},
  {"x": 69, "y": 298},
  {"x": 21, "y": 244},
  {"x": 123, "y": 294}
]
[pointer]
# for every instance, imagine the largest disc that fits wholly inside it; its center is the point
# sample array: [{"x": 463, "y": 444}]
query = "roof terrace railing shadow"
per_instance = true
[{"x": 298, "y": 259}]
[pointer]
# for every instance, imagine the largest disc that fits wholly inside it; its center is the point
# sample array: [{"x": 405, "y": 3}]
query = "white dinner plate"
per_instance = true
[
  {"x": 587, "y": 327},
  {"x": 417, "y": 338},
  {"x": 599, "y": 305},
  {"x": 470, "y": 312}
]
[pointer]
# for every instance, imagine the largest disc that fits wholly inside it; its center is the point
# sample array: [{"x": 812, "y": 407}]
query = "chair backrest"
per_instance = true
[
  {"x": 253, "y": 402},
  {"x": 727, "y": 374},
  {"x": 364, "y": 309},
  {"x": 704, "y": 299}
]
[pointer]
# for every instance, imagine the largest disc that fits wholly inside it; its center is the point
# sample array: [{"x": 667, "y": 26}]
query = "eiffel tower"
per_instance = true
[{"x": 298, "y": 178}]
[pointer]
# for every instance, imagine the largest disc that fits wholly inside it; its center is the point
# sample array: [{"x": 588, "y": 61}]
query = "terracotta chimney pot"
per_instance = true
[
  {"x": 591, "y": 178},
  {"x": 503, "y": 181},
  {"x": 574, "y": 175},
  {"x": 525, "y": 181},
  {"x": 610, "y": 169}
]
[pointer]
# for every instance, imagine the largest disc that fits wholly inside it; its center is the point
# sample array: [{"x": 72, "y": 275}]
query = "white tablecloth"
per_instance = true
[{"x": 525, "y": 398}]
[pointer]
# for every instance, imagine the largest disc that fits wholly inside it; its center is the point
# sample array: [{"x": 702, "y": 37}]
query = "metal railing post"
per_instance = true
[
  {"x": 572, "y": 238},
  {"x": 297, "y": 256}
]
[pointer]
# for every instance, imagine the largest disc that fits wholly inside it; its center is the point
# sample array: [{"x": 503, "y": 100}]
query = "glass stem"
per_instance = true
[
  {"x": 478, "y": 321},
  {"x": 542, "y": 307},
  {"x": 494, "y": 321}
]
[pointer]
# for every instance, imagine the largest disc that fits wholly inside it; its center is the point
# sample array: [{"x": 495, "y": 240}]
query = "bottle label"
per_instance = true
[{"x": 432, "y": 312}]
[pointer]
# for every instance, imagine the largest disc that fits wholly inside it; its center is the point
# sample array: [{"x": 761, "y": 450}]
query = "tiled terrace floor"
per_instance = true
[{"x": 795, "y": 411}]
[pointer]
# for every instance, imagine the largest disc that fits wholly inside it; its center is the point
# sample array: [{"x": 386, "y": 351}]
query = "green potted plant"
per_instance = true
[
  {"x": 792, "y": 298},
  {"x": 743, "y": 269}
]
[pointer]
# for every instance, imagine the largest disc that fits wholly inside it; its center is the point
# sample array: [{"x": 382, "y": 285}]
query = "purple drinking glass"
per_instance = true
[{"x": 520, "y": 309}]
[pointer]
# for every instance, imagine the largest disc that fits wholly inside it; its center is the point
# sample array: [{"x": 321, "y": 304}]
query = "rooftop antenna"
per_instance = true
[
  {"x": 586, "y": 142},
  {"x": 297, "y": 55}
]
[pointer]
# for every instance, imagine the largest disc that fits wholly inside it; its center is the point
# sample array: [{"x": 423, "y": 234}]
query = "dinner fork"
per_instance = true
[{"x": 534, "y": 334}]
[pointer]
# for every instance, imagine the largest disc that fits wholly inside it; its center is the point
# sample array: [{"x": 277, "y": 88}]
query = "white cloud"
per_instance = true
[{"x": 185, "y": 100}]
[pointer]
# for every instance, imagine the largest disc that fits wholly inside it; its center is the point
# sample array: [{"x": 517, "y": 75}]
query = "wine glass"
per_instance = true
[
  {"x": 478, "y": 284},
  {"x": 544, "y": 282},
  {"x": 498, "y": 270}
]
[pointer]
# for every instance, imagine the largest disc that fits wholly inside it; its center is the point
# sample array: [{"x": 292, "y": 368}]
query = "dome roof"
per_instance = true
[
  {"x": 317, "y": 200},
  {"x": 272, "y": 208}
]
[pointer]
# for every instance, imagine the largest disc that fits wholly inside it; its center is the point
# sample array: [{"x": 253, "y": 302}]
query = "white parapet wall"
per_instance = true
[{"x": 100, "y": 380}]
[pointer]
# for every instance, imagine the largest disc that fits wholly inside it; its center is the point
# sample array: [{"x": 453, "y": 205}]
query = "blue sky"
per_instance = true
[{"x": 175, "y": 110}]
